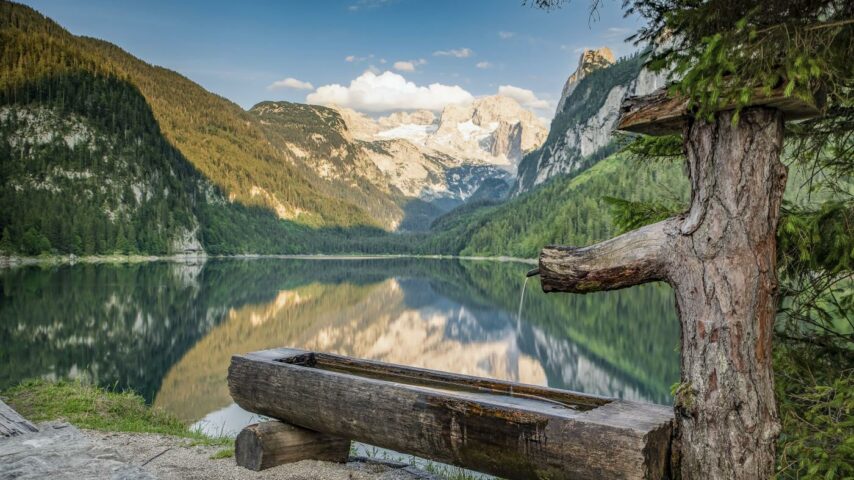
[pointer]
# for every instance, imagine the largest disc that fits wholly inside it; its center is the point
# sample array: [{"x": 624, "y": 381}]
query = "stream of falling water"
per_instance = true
[{"x": 521, "y": 302}]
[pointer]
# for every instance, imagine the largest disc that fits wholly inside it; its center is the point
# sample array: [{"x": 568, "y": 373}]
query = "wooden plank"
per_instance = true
[
  {"x": 502, "y": 428},
  {"x": 660, "y": 114},
  {"x": 12, "y": 423},
  {"x": 268, "y": 444}
]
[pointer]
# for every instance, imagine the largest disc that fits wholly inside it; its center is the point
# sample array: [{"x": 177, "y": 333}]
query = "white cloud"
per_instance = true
[
  {"x": 525, "y": 97},
  {"x": 409, "y": 66},
  {"x": 290, "y": 82},
  {"x": 389, "y": 91},
  {"x": 357, "y": 59},
  {"x": 505, "y": 35},
  {"x": 454, "y": 52},
  {"x": 483, "y": 64}
]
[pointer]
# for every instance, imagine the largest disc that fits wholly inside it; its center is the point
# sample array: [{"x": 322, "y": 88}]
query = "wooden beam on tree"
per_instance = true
[
  {"x": 268, "y": 444},
  {"x": 502, "y": 428},
  {"x": 630, "y": 259},
  {"x": 661, "y": 114}
]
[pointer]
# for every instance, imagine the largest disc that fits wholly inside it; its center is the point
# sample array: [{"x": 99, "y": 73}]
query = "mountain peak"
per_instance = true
[
  {"x": 590, "y": 60},
  {"x": 598, "y": 57}
]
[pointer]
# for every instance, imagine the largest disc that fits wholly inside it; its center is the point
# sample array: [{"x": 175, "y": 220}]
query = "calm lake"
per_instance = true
[{"x": 168, "y": 330}]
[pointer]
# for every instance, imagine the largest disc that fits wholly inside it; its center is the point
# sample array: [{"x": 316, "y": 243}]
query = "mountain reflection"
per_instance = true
[{"x": 169, "y": 330}]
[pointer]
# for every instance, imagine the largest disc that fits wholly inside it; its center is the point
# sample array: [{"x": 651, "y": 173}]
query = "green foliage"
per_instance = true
[
  {"x": 727, "y": 53},
  {"x": 648, "y": 147},
  {"x": 815, "y": 393},
  {"x": 120, "y": 188},
  {"x": 34, "y": 243},
  {"x": 565, "y": 210},
  {"x": 816, "y": 253},
  {"x": 98, "y": 409},
  {"x": 817, "y": 238},
  {"x": 223, "y": 453},
  {"x": 629, "y": 215}
]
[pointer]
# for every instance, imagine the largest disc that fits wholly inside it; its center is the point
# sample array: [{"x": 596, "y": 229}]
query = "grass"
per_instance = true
[
  {"x": 94, "y": 408},
  {"x": 224, "y": 453}
]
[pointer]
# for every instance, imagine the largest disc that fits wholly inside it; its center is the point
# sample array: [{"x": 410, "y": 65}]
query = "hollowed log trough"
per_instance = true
[{"x": 502, "y": 428}]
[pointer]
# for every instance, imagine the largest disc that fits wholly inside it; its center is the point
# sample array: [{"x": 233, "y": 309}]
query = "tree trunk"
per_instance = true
[
  {"x": 726, "y": 283},
  {"x": 720, "y": 259}
]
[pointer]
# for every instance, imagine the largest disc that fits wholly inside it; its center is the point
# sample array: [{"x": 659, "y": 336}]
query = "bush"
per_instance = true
[
  {"x": 815, "y": 393},
  {"x": 35, "y": 243}
]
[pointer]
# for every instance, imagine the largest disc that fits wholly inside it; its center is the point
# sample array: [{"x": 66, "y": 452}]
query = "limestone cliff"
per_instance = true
[
  {"x": 582, "y": 131},
  {"x": 590, "y": 60}
]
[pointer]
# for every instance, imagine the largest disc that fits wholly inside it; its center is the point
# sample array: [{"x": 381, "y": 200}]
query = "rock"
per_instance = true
[
  {"x": 470, "y": 131},
  {"x": 590, "y": 60},
  {"x": 586, "y": 130},
  {"x": 186, "y": 242},
  {"x": 174, "y": 458},
  {"x": 61, "y": 451},
  {"x": 418, "y": 117},
  {"x": 447, "y": 158}
]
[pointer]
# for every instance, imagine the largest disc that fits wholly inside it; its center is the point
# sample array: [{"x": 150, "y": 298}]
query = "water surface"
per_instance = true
[{"x": 168, "y": 330}]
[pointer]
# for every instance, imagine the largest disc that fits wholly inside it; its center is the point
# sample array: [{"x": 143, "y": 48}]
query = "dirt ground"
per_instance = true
[{"x": 61, "y": 451}]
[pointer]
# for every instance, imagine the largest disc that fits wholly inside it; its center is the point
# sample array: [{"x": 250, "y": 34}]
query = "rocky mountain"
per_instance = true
[
  {"x": 494, "y": 130},
  {"x": 581, "y": 132},
  {"x": 317, "y": 143},
  {"x": 449, "y": 156},
  {"x": 590, "y": 61},
  {"x": 356, "y": 161},
  {"x": 390, "y": 166}
]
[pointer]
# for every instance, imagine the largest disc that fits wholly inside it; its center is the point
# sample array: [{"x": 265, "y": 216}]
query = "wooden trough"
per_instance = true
[{"x": 502, "y": 428}]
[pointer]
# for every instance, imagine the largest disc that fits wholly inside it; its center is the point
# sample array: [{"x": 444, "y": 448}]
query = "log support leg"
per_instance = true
[{"x": 268, "y": 444}]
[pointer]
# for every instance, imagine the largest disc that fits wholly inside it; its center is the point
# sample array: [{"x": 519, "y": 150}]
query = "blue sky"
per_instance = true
[{"x": 240, "y": 49}]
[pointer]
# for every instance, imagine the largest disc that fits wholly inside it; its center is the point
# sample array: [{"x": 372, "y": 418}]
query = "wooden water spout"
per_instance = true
[{"x": 506, "y": 429}]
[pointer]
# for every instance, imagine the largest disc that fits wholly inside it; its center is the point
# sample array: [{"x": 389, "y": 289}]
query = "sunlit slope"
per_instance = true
[
  {"x": 319, "y": 144},
  {"x": 223, "y": 142}
]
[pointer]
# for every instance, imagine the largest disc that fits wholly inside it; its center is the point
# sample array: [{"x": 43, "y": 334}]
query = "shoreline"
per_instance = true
[{"x": 14, "y": 261}]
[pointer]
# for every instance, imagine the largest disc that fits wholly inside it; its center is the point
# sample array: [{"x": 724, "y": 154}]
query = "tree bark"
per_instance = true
[
  {"x": 631, "y": 259},
  {"x": 720, "y": 259}
]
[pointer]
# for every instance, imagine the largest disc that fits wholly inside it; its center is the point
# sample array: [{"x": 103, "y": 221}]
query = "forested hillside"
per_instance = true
[
  {"x": 318, "y": 140},
  {"x": 137, "y": 116},
  {"x": 566, "y": 210},
  {"x": 227, "y": 144}
]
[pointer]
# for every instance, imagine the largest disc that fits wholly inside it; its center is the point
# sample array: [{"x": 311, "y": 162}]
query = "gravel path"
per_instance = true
[{"x": 63, "y": 451}]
